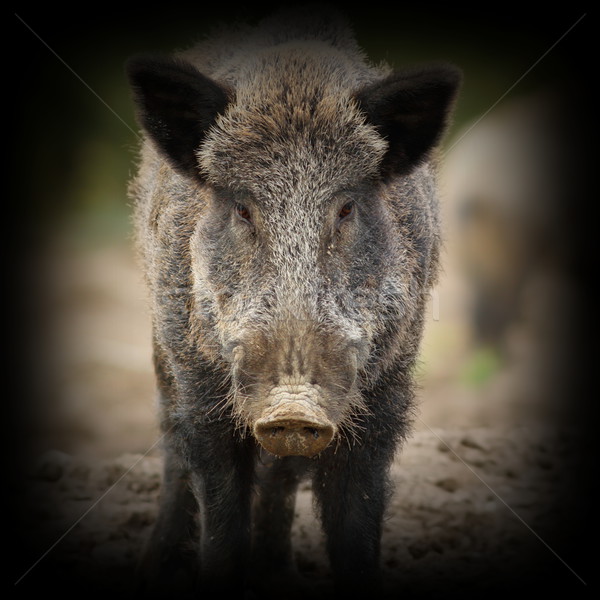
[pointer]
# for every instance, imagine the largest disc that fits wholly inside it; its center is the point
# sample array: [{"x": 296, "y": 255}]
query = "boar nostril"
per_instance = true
[{"x": 312, "y": 431}]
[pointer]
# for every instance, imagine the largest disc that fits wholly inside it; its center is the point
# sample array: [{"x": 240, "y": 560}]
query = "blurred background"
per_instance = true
[{"x": 508, "y": 338}]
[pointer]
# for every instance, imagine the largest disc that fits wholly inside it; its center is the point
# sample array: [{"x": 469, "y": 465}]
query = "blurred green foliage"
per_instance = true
[{"x": 481, "y": 366}]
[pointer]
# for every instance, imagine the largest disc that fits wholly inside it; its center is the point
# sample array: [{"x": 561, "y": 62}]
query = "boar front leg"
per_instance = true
[
  {"x": 351, "y": 492},
  {"x": 209, "y": 472},
  {"x": 221, "y": 480},
  {"x": 351, "y": 486},
  {"x": 277, "y": 481}
]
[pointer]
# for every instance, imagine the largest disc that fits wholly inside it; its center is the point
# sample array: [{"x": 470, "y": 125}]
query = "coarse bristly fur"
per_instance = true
[{"x": 287, "y": 221}]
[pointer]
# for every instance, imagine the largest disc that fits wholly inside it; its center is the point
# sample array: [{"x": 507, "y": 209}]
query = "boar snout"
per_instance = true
[
  {"x": 294, "y": 427},
  {"x": 293, "y": 437},
  {"x": 295, "y": 385}
]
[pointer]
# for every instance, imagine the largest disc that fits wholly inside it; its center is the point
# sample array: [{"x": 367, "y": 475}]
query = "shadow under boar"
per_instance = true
[{"x": 287, "y": 220}]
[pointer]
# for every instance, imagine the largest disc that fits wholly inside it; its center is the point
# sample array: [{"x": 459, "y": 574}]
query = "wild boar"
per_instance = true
[{"x": 287, "y": 219}]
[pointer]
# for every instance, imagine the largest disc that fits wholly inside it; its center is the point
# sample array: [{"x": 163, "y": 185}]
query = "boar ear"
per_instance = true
[
  {"x": 176, "y": 105},
  {"x": 410, "y": 110}
]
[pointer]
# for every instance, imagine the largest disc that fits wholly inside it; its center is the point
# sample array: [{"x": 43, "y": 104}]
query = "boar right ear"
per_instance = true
[
  {"x": 410, "y": 110},
  {"x": 176, "y": 105}
]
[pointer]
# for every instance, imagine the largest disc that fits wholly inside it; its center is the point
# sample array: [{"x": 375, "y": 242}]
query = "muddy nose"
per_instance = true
[{"x": 293, "y": 436}]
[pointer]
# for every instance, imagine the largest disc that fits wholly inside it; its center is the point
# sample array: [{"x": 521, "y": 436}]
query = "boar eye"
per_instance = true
[
  {"x": 243, "y": 213},
  {"x": 346, "y": 211}
]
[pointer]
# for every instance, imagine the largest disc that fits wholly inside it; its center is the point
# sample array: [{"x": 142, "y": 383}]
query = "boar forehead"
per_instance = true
[{"x": 293, "y": 124}]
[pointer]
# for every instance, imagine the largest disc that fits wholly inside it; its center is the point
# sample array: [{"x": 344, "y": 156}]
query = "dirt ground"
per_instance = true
[{"x": 480, "y": 502}]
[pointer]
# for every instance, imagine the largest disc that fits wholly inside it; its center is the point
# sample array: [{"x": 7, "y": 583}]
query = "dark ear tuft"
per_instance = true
[
  {"x": 410, "y": 110},
  {"x": 176, "y": 104}
]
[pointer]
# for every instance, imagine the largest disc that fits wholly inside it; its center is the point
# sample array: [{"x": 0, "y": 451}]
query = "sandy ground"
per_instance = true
[{"x": 479, "y": 505}]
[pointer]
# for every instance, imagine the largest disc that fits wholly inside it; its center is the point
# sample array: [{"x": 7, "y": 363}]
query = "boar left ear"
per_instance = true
[
  {"x": 410, "y": 110},
  {"x": 176, "y": 105}
]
